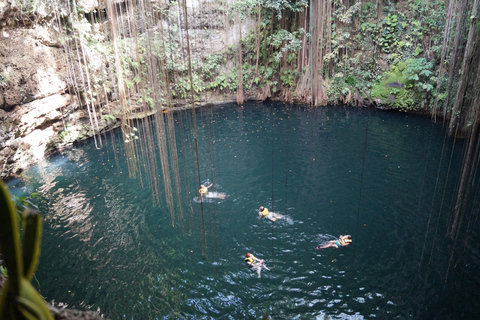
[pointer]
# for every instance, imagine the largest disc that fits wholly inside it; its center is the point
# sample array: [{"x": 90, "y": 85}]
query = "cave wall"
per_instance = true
[{"x": 39, "y": 110}]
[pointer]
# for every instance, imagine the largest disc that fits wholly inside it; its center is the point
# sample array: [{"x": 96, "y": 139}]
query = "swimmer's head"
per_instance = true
[
  {"x": 262, "y": 208},
  {"x": 248, "y": 255}
]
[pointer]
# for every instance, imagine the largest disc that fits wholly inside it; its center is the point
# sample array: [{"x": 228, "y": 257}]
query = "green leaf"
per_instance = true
[
  {"x": 10, "y": 238},
  {"x": 32, "y": 226},
  {"x": 30, "y": 299},
  {"x": 426, "y": 72}
]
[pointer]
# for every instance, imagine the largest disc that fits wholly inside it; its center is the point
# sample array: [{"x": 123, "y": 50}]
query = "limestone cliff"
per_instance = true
[{"x": 43, "y": 91}]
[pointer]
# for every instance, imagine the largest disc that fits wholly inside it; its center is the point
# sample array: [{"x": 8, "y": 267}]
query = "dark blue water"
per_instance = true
[{"x": 387, "y": 179}]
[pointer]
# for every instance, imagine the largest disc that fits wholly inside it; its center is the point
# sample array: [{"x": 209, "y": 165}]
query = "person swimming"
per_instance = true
[
  {"x": 207, "y": 194},
  {"x": 342, "y": 241},
  {"x": 203, "y": 189},
  {"x": 264, "y": 213},
  {"x": 255, "y": 263}
]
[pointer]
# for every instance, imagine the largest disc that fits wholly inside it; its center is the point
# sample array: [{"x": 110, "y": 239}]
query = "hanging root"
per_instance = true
[
  {"x": 286, "y": 95},
  {"x": 264, "y": 93}
]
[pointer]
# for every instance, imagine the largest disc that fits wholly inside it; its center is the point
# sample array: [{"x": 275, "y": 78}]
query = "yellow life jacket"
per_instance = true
[
  {"x": 343, "y": 241},
  {"x": 249, "y": 260},
  {"x": 265, "y": 212},
  {"x": 203, "y": 190}
]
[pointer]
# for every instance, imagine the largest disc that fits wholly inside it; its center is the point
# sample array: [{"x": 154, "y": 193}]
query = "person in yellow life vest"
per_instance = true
[
  {"x": 264, "y": 213},
  {"x": 341, "y": 242},
  {"x": 255, "y": 263},
  {"x": 204, "y": 189},
  {"x": 204, "y": 193}
]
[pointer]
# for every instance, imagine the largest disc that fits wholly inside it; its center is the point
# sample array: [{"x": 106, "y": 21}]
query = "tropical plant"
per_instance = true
[{"x": 19, "y": 299}]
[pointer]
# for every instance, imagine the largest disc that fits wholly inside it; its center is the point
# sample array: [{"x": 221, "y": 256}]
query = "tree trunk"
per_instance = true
[
  {"x": 240, "y": 98},
  {"x": 471, "y": 157},
  {"x": 257, "y": 40},
  {"x": 458, "y": 106},
  {"x": 456, "y": 51}
]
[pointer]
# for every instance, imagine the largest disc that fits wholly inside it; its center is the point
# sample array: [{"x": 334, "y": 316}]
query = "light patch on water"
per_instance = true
[
  {"x": 298, "y": 278},
  {"x": 359, "y": 299}
]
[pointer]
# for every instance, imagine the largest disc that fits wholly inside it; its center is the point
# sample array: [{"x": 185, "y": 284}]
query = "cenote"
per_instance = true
[{"x": 387, "y": 179}]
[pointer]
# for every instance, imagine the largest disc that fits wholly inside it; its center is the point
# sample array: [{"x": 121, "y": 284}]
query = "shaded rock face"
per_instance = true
[
  {"x": 37, "y": 112},
  {"x": 40, "y": 71},
  {"x": 30, "y": 69},
  {"x": 32, "y": 96},
  {"x": 32, "y": 82}
]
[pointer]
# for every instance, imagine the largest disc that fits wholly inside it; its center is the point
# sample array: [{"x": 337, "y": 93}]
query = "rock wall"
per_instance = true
[
  {"x": 38, "y": 111},
  {"x": 35, "y": 106},
  {"x": 34, "y": 100}
]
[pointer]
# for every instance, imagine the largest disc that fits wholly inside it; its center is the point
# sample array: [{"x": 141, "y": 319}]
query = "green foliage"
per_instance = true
[
  {"x": 418, "y": 73},
  {"x": 285, "y": 41},
  {"x": 404, "y": 99},
  {"x": 369, "y": 28},
  {"x": 343, "y": 14},
  {"x": 389, "y": 33},
  {"x": 289, "y": 78},
  {"x": 224, "y": 82},
  {"x": 4, "y": 271},
  {"x": 182, "y": 87},
  {"x": 19, "y": 299},
  {"x": 353, "y": 75},
  {"x": 408, "y": 81},
  {"x": 64, "y": 132},
  {"x": 26, "y": 201},
  {"x": 429, "y": 18},
  {"x": 368, "y": 11},
  {"x": 211, "y": 65},
  {"x": 395, "y": 76},
  {"x": 108, "y": 117},
  {"x": 278, "y": 7}
]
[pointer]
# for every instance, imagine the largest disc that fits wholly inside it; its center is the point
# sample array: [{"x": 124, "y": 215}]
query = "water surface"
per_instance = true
[{"x": 387, "y": 179}]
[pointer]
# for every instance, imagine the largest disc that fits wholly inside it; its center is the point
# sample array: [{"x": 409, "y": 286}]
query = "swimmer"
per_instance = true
[
  {"x": 204, "y": 189},
  {"x": 341, "y": 242},
  {"x": 264, "y": 213},
  {"x": 255, "y": 263},
  {"x": 204, "y": 192}
]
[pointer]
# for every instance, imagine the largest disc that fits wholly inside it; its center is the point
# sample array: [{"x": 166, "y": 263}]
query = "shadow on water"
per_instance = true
[{"x": 107, "y": 246}]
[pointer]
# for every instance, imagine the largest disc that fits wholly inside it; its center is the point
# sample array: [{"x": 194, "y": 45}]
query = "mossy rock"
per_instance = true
[{"x": 393, "y": 83}]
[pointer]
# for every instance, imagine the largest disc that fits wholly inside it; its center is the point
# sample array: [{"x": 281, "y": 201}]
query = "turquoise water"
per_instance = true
[{"x": 387, "y": 179}]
